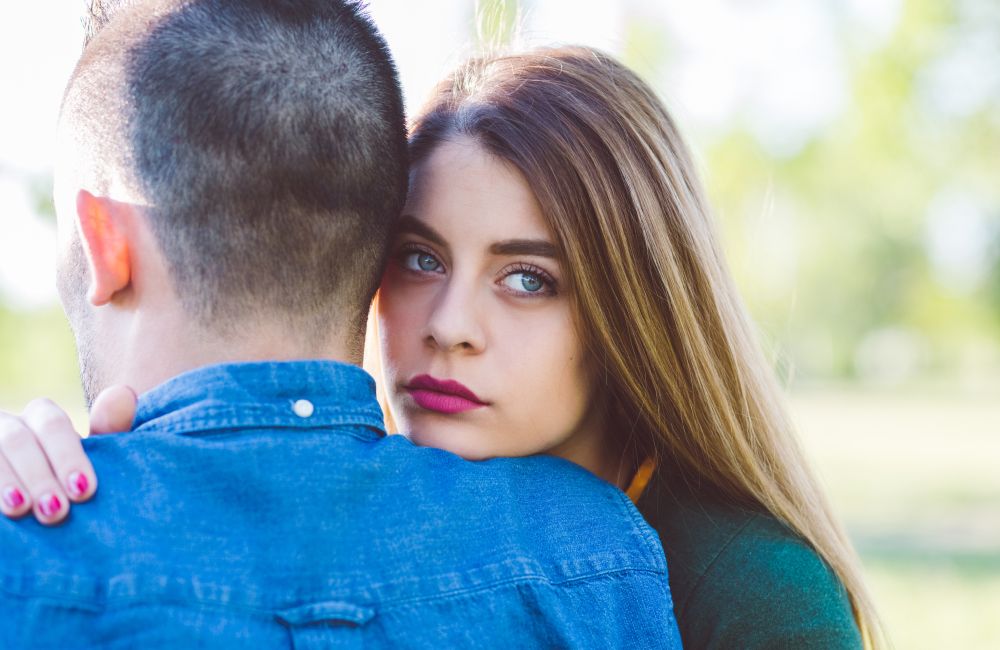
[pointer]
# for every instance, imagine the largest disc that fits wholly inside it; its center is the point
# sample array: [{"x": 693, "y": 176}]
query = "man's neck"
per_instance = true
[{"x": 157, "y": 349}]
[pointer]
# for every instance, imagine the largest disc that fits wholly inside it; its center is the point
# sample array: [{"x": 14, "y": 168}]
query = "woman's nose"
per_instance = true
[{"x": 455, "y": 323}]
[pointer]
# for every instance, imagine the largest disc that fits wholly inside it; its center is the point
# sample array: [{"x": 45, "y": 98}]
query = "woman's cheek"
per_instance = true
[
  {"x": 398, "y": 308},
  {"x": 547, "y": 389},
  {"x": 394, "y": 332}
]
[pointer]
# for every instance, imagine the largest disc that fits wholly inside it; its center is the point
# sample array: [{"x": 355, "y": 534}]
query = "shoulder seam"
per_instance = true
[
  {"x": 644, "y": 530},
  {"x": 711, "y": 565},
  {"x": 87, "y": 602}
]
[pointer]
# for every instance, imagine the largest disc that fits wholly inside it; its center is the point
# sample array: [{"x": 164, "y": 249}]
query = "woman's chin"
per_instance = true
[{"x": 460, "y": 440}]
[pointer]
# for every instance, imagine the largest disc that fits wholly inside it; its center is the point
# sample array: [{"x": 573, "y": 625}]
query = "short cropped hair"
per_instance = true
[
  {"x": 99, "y": 13},
  {"x": 267, "y": 137}
]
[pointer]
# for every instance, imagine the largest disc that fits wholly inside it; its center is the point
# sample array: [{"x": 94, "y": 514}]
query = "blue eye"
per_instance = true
[
  {"x": 420, "y": 261},
  {"x": 525, "y": 282}
]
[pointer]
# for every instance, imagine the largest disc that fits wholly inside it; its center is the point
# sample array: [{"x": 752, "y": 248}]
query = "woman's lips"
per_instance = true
[{"x": 442, "y": 395}]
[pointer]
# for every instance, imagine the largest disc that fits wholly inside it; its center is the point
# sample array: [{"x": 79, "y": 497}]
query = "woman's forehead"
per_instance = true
[{"x": 463, "y": 190}]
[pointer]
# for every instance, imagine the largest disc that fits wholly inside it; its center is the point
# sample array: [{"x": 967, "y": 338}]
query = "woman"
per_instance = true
[{"x": 557, "y": 255}]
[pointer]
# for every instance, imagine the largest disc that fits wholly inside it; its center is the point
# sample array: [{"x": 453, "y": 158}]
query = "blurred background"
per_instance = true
[{"x": 851, "y": 149}]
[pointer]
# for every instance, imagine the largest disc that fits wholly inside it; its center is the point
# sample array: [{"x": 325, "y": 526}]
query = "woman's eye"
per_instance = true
[
  {"x": 421, "y": 261},
  {"x": 525, "y": 282}
]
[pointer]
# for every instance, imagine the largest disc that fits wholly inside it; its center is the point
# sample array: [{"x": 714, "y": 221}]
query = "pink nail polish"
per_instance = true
[
  {"x": 13, "y": 497},
  {"x": 49, "y": 505},
  {"x": 77, "y": 483}
]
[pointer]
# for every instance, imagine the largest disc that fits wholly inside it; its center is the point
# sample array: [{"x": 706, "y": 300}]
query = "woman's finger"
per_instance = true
[
  {"x": 113, "y": 410},
  {"x": 63, "y": 447},
  {"x": 25, "y": 455},
  {"x": 14, "y": 499}
]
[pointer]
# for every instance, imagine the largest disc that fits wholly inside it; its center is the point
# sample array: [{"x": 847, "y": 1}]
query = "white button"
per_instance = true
[{"x": 303, "y": 408}]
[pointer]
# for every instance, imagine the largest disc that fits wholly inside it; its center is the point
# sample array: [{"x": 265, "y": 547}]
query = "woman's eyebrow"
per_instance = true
[
  {"x": 537, "y": 247},
  {"x": 410, "y": 224}
]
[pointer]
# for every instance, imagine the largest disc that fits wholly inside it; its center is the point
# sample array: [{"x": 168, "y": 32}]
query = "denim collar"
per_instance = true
[{"x": 286, "y": 395}]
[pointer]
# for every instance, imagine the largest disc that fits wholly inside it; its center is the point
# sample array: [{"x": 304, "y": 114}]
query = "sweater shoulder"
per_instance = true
[{"x": 741, "y": 578}]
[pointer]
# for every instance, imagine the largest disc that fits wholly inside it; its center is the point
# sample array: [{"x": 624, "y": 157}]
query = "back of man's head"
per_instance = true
[{"x": 265, "y": 139}]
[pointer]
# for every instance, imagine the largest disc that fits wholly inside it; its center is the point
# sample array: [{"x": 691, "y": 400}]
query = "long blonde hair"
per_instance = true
[{"x": 672, "y": 344}]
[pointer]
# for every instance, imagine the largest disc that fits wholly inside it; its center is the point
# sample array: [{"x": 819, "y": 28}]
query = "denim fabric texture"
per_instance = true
[{"x": 261, "y": 505}]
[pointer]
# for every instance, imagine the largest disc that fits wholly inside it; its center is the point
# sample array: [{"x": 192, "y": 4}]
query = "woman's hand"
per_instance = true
[{"x": 42, "y": 463}]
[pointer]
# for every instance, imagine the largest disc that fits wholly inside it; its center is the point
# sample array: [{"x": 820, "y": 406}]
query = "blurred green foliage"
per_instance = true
[
  {"x": 854, "y": 205},
  {"x": 913, "y": 473},
  {"x": 37, "y": 358},
  {"x": 496, "y": 23}
]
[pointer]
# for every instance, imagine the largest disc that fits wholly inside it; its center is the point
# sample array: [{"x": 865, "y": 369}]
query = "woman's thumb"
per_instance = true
[{"x": 113, "y": 410}]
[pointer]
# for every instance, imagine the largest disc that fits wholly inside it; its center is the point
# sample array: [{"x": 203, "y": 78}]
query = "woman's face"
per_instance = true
[{"x": 479, "y": 350}]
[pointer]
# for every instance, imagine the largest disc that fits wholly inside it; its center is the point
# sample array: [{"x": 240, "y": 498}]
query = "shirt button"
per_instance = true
[{"x": 303, "y": 408}]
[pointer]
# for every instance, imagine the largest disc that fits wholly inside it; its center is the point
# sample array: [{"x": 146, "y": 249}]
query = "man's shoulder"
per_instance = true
[
  {"x": 548, "y": 506},
  {"x": 378, "y": 523},
  {"x": 570, "y": 523},
  {"x": 541, "y": 484}
]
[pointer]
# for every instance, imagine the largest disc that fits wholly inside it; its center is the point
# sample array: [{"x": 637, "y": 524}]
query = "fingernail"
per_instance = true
[
  {"x": 49, "y": 505},
  {"x": 13, "y": 497},
  {"x": 77, "y": 483}
]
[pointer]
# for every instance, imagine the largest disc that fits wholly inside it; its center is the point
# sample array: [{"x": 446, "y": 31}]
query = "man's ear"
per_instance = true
[{"x": 103, "y": 230}]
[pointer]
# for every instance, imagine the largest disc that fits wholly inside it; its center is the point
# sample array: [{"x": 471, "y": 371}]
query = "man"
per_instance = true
[{"x": 229, "y": 173}]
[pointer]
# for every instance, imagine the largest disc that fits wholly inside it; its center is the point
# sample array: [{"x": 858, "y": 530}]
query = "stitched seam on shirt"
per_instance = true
[
  {"x": 140, "y": 601},
  {"x": 87, "y": 604},
  {"x": 363, "y": 435},
  {"x": 199, "y": 425},
  {"x": 711, "y": 565},
  {"x": 644, "y": 531},
  {"x": 454, "y": 593},
  {"x": 213, "y": 418},
  {"x": 226, "y": 428}
]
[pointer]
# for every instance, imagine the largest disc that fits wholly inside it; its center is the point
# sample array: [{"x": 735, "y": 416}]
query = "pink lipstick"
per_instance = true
[{"x": 442, "y": 395}]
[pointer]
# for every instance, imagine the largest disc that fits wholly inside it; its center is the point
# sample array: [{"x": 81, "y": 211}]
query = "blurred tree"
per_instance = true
[
  {"x": 831, "y": 244},
  {"x": 37, "y": 357},
  {"x": 40, "y": 189},
  {"x": 496, "y": 23}
]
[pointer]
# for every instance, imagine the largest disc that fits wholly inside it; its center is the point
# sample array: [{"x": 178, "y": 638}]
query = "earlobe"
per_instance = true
[{"x": 103, "y": 232}]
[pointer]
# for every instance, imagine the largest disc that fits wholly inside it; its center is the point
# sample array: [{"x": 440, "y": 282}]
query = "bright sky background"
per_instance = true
[{"x": 775, "y": 61}]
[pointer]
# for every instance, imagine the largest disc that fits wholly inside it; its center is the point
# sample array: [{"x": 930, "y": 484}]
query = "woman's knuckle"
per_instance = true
[
  {"x": 14, "y": 436},
  {"x": 40, "y": 403}
]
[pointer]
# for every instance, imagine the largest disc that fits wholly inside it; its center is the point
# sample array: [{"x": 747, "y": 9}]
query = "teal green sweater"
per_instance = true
[{"x": 741, "y": 579}]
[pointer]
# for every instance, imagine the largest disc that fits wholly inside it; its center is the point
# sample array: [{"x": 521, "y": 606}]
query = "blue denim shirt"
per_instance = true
[{"x": 261, "y": 505}]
